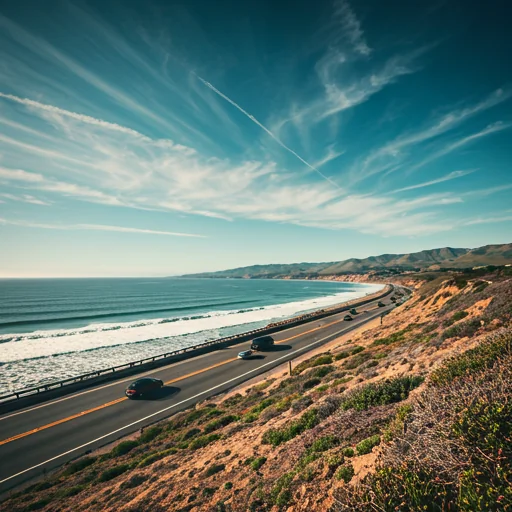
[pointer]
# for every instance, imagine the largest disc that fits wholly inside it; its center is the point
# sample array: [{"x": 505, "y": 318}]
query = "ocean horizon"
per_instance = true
[{"x": 52, "y": 329}]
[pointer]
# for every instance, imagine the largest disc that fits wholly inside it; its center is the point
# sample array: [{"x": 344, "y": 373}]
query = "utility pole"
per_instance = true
[
  {"x": 289, "y": 367},
  {"x": 381, "y": 317}
]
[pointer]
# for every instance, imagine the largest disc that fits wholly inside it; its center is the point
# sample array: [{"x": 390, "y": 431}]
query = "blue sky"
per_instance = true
[{"x": 159, "y": 138}]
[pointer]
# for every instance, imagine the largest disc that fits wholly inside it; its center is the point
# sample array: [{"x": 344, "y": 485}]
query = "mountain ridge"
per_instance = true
[{"x": 428, "y": 259}]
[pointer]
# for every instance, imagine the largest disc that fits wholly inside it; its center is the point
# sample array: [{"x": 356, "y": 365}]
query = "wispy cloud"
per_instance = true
[
  {"x": 451, "y": 176},
  {"x": 254, "y": 120},
  {"x": 25, "y": 198},
  {"x": 94, "y": 227},
  {"x": 463, "y": 141},
  {"x": 350, "y": 27},
  {"x": 393, "y": 154}
]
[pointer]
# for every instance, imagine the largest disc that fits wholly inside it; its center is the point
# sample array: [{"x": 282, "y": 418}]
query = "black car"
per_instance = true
[
  {"x": 262, "y": 343},
  {"x": 144, "y": 386},
  {"x": 381, "y": 304},
  {"x": 347, "y": 318}
]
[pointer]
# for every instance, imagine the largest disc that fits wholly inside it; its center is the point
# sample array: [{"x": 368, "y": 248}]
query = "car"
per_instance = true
[
  {"x": 381, "y": 304},
  {"x": 143, "y": 387},
  {"x": 245, "y": 354},
  {"x": 353, "y": 311},
  {"x": 262, "y": 343},
  {"x": 347, "y": 318}
]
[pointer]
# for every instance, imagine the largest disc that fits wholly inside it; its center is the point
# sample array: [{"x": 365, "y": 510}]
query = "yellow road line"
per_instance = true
[{"x": 172, "y": 381}]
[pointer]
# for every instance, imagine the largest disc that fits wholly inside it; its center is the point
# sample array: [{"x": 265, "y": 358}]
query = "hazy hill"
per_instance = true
[{"x": 445, "y": 257}]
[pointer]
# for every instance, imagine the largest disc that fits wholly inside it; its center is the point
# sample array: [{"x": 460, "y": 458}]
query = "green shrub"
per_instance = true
[
  {"x": 357, "y": 360},
  {"x": 150, "y": 433},
  {"x": 228, "y": 485},
  {"x": 209, "y": 491},
  {"x": 321, "y": 389},
  {"x": 322, "y": 372},
  {"x": 462, "y": 329},
  {"x": 202, "y": 441},
  {"x": 257, "y": 463},
  {"x": 345, "y": 473},
  {"x": 80, "y": 464},
  {"x": 277, "y": 436},
  {"x": 348, "y": 452},
  {"x": 311, "y": 363},
  {"x": 311, "y": 383},
  {"x": 342, "y": 355},
  {"x": 189, "y": 434},
  {"x": 482, "y": 357},
  {"x": 114, "y": 472},
  {"x": 220, "y": 422},
  {"x": 134, "y": 481},
  {"x": 367, "y": 445},
  {"x": 156, "y": 456},
  {"x": 459, "y": 315},
  {"x": 381, "y": 393},
  {"x": 215, "y": 468},
  {"x": 343, "y": 380},
  {"x": 39, "y": 504},
  {"x": 67, "y": 492},
  {"x": 356, "y": 350},
  {"x": 123, "y": 448},
  {"x": 323, "y": 444}
]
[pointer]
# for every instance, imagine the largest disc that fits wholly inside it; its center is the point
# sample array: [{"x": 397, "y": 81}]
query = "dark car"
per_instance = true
[
  {"x": 381, "y": 304},
  {"x": 262, "y": 343},
  {"x": 347, "y": 318},
  {"x": 143, "y": 387},
  {"x": 353, "y": 311}
]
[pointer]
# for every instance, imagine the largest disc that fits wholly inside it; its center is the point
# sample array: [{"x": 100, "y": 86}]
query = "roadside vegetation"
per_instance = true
[{"x": 415, "y": 414}]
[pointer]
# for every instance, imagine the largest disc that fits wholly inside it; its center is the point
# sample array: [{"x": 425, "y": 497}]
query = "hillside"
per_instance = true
[
  {"x": 414, "y": 414},
  {"x": 434, "y": 259}
]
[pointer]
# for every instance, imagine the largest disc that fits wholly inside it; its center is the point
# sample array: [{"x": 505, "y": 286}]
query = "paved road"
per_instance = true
[{"x": 40, "y": 438}]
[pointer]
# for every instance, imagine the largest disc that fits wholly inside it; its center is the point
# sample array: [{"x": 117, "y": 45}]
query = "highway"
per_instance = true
[{"x": 40, "y": 438}]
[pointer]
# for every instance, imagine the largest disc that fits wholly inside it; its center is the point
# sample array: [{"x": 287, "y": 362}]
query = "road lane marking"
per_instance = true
[
  {"x": 121, "y": 399},
  {"x": 172, "y": 381},
  {"x": 170, "y": 407},
  {"x": 149, "y": 372}
]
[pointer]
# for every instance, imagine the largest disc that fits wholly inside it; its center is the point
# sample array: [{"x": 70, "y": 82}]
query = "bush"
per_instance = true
[
  {"x": 310, "y": 383},
  {"x": 189, "y": 434},
  {"x": 381, "y": 393},
  {"x": 228, "y": 485},
  {"x": 311, "y": 363},
  {"x": 134, "y": 481},
  {"x": 482, "y": 357},
  {"x": 342, "y": 355},
  {"x": 123, "y": 448},
  {"x": 322, "y": 444},
  {"x": 67, "y": 492},
  {"x": 322, "y": 372},
  {"x": 203, "y": 441},
  {"x": 301, "y": 403},
  {"x": 220, "y": 422},
  {"x": 156, "y": 456},
  {"x": 80, "y": 464},
  {"x": 150, "y": 433},
  {"x": 348, "y": 452},
  {"x": 114, "y": 472},
  {"x": 357, "y": 360},
  {"x": 257, "y": 463},
  {"x": 215, "y": 468},
  {"x": 39, "y": 504},
  {"x": 345, "y": 473},
  {"x": 459, "y": 315},
  {"x": 462, "y": 330},
  {"x": 278, "y": 436},
  {"x": 367, "y": 445}
]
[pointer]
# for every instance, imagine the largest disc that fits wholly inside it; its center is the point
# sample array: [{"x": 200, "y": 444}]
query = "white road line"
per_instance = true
[
  {"x": 171, "y": 407},
  {"x": 149, "y": 372}
]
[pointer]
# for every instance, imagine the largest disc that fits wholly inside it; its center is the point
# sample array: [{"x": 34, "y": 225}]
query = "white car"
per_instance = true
[{"x": 246, "y": 354}]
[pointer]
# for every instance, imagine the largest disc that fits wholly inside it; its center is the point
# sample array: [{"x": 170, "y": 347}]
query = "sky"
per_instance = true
[{"x": 161, "y": 138}]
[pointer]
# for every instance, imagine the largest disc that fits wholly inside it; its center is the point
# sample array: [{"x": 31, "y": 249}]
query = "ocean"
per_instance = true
[{"x": 52, "y": 329}]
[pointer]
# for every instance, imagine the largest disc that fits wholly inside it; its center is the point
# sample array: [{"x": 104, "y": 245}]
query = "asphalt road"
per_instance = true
[{"x": 40, "y": 438}]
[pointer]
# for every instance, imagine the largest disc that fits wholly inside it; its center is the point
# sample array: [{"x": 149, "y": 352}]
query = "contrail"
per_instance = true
[{"x": 254, "y": 120}]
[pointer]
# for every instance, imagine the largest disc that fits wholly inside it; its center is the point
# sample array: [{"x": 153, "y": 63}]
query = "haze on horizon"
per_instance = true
[{"x": 162, "y": 138}]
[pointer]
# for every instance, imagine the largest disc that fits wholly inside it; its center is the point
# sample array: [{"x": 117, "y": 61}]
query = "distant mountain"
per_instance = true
[{"x": 446, "y": 257}]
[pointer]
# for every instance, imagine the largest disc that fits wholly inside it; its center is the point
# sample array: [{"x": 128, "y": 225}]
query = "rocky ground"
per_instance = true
[{"x": 324, "y": 437}]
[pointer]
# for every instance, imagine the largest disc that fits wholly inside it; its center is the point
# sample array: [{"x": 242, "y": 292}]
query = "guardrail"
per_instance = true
[{"x": 88, "y": 379}]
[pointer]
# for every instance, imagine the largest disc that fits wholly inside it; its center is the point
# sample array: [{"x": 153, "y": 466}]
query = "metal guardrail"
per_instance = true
[{"x": 16, "y": 395}]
